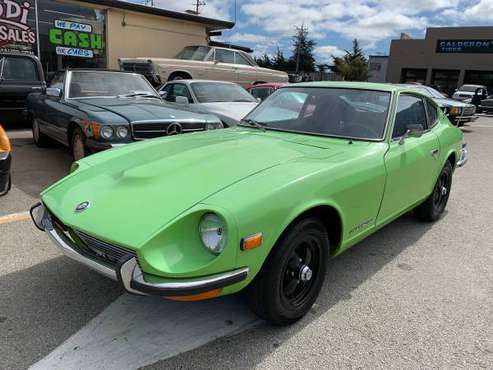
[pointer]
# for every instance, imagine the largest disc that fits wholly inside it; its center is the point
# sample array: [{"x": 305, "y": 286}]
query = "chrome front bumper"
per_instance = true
[
  {"x": 463, "y": 156},
  {"x": 128, "y": 271}
]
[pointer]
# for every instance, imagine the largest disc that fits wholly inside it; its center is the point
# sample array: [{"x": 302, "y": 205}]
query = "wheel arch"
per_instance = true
[
  {"x": 452, "y": 158},
  {"x": 180, "y": 72},
  {"x": 329, "y": 215},
  {"x": 73, "y": 124}
]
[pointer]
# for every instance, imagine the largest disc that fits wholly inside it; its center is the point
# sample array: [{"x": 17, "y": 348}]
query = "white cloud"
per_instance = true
[
  {"x": 325, "y": 53},
  {"x": 483, "y": 10}
]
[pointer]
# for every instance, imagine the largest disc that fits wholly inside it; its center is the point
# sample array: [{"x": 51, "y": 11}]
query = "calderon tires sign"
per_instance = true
[{"x": 15, "y": 31}]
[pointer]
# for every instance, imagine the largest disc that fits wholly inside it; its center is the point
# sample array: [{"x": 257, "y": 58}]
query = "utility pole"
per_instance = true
[{"x": 198, "y": 4}]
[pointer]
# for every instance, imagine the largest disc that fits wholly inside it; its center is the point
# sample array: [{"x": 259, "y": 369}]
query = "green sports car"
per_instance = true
[{"x": 261, "y": 207}]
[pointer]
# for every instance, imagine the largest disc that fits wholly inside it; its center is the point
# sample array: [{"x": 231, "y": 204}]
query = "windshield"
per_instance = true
[
  {"x": 347, "y": 113},
  {"x": 193, "y": 53},
  {"x": 469, "y": 88},
  {"x": 213, "y": 92},
  {"x": 108, "y": 84}
]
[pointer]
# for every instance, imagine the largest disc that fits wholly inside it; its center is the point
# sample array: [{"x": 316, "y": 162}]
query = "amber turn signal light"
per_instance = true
[
  {"x": 4, "y": 141},
  {"x": 252, "y": 242},
  {"x": 196, "y": 297}
]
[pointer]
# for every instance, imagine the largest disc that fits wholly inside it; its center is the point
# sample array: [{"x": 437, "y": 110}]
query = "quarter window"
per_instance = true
[
  {"x": 240, "y": 59},
  {"x": 432, "y": 113},
  {"x": 410, "y": 111}
]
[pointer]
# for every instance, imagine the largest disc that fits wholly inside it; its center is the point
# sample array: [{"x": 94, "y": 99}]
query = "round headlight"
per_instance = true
[
  {"x": 106, "y": 132},
  {"x": 122, "y": 132},
  {"x": 213, "y": 233}
]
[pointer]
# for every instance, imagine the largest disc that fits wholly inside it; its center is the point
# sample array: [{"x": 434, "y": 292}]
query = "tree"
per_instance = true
[
  {"x": 303, "y": 59},
  {"x": 279, "y": 62},
  {"x": 264, "y": 61},
  {"x": 353, "y": 66}
]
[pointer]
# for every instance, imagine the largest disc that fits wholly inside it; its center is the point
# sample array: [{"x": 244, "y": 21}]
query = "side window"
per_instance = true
[
  {"x": 410, "y": 111},
  {"x": 20, "y": 69},
  {"x": 166, "y": 89},
  {"x": 261, "y": 92},
  {"x": 240, "y": 59},
  {"x": 432, "y": 113},
  {"x": 225, "y": 56},
  {"x": 170, "y": 92},
  {"x": 182, "y": 90}
]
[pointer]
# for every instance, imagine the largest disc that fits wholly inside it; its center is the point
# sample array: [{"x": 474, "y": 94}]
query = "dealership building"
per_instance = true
[
  {"x": 447, "y": 57},
  {"x": 95, "y": 34}
]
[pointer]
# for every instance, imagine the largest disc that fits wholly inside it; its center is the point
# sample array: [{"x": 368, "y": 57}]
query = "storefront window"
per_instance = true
[
  {"x": 413, "y": 75},
  {"x": 71, "y": 36},
  {"x": 445, "y": 80}
]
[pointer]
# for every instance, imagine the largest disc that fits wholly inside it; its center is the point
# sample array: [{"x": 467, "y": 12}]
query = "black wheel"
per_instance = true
[
  {"x": 432, "y": 209},
  {"x": 39, "y": 138},
  {"x": 291, "y": 278},
  {"x": 9, "y": 186},
  {"x": 78, "y": 144}
]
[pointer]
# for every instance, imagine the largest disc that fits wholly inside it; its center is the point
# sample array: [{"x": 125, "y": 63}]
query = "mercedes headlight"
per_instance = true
[
  {"x": 213, "y": 233},
  {"x": 213, "y": 125},
  {"x": 122, "y": 132},
  {"x": 106, "y": 132}
]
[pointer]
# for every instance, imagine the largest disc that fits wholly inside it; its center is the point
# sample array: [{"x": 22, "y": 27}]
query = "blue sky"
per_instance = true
[{"x": 265, "y": 25}]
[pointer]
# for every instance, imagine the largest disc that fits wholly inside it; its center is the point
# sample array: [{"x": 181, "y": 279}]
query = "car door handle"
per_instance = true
[{"x": 434, "y": 153}]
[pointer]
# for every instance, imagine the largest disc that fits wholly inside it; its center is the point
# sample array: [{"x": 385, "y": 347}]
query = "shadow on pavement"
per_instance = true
[
  {"x": 43, "y": 305},
  {"x": 346, "y": 273}
]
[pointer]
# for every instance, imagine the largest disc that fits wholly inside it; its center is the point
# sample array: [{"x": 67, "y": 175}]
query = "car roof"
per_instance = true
[
  {"x": 352, "y": 85},
  {"x": 269, "y": 84},
  {"x": 189, "y": 81}
]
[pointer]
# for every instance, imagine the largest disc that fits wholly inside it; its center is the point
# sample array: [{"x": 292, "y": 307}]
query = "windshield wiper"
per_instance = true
[
  {"x": 243, "y": 101},
  {"x": 140, "y": 93},
  {"x": 253, "y": 123}
]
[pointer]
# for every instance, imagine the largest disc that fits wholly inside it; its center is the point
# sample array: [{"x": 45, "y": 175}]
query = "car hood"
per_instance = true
[
  {"x": 446, "y": 102},
  {"x": 134, "y": 109},
  {"x": 235, "y": 110},
  {"x": 136, "y": 190}
]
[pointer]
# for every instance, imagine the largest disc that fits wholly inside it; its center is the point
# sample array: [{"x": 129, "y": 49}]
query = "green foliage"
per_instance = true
[
  {"x": 303, "y": 58},
  {"x": 353, "y": 66}
]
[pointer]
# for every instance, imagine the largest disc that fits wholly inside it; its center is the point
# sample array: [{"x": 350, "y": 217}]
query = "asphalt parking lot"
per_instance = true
[{"x": 413, "y": 295}]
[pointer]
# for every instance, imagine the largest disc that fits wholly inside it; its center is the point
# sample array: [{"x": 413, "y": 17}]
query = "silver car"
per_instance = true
[{"x": 228, "y": 101}]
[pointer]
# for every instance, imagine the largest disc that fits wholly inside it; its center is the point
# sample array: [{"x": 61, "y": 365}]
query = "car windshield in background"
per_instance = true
[
  {"x": 212, "y": 92},
  {"x": 345, "y": 113},
  {"x": 108, "y": 84},
  {"x": 469, "y": 88},
  {"x": 429, "y": 92},
  {"x": 193, "y": 53}
]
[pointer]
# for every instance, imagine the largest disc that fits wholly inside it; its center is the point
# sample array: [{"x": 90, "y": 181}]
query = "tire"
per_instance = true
[
  {"x": 78, "y": 144},
  {"x": 432, "y": 208},
  {"x": 40, "y": 139},
  {"x": 9, "y": 186},
  {"x": 283, "y": 291},
  {"x": 179, "y": 76}
]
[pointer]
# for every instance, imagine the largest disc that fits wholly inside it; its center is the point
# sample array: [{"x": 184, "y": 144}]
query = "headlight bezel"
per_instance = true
[
  {"x": 111, "y": 132},
  {"x": 118, "y": 131},
  {"x": 217, "y": 232}
]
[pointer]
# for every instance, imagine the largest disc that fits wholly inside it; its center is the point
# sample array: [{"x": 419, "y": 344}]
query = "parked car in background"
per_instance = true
[
  {"x": 228, "y": 101},
  {"x": 486, "y": 105},
  {"x": 472, "y": 94},
  {"x": 91, "y": 110},
  {"x": 5, "y": 159},
  {"x": 263, "y": 91},
  {"x": 20, "y": 75},
  {"x": 457, "y": 111},
  {"x": 203, "y": 62},
  {"x": 262, "y": 206}
]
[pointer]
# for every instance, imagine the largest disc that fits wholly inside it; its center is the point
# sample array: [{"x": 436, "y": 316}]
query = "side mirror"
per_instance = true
[
  {"x": 163, "y": 94},
  {"x": 182, "y": 100},
  {"x": 412, "y": 131},
  {"x": 54, "y": 92},
  {"x": 258, "y": 100}
]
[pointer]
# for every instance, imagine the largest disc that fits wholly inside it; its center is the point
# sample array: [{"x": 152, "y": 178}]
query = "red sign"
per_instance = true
[{"x": 14, "y": 28}]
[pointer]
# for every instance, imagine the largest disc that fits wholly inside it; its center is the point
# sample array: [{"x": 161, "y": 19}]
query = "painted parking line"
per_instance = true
[
  {"x": 137, "y": 331},
  {"x": 14, "y": 217}
]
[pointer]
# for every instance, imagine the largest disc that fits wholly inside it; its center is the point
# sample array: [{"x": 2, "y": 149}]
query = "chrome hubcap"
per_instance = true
[
  {"x": 305, "y": 273},
  {"x": 444, "y": 191}
]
